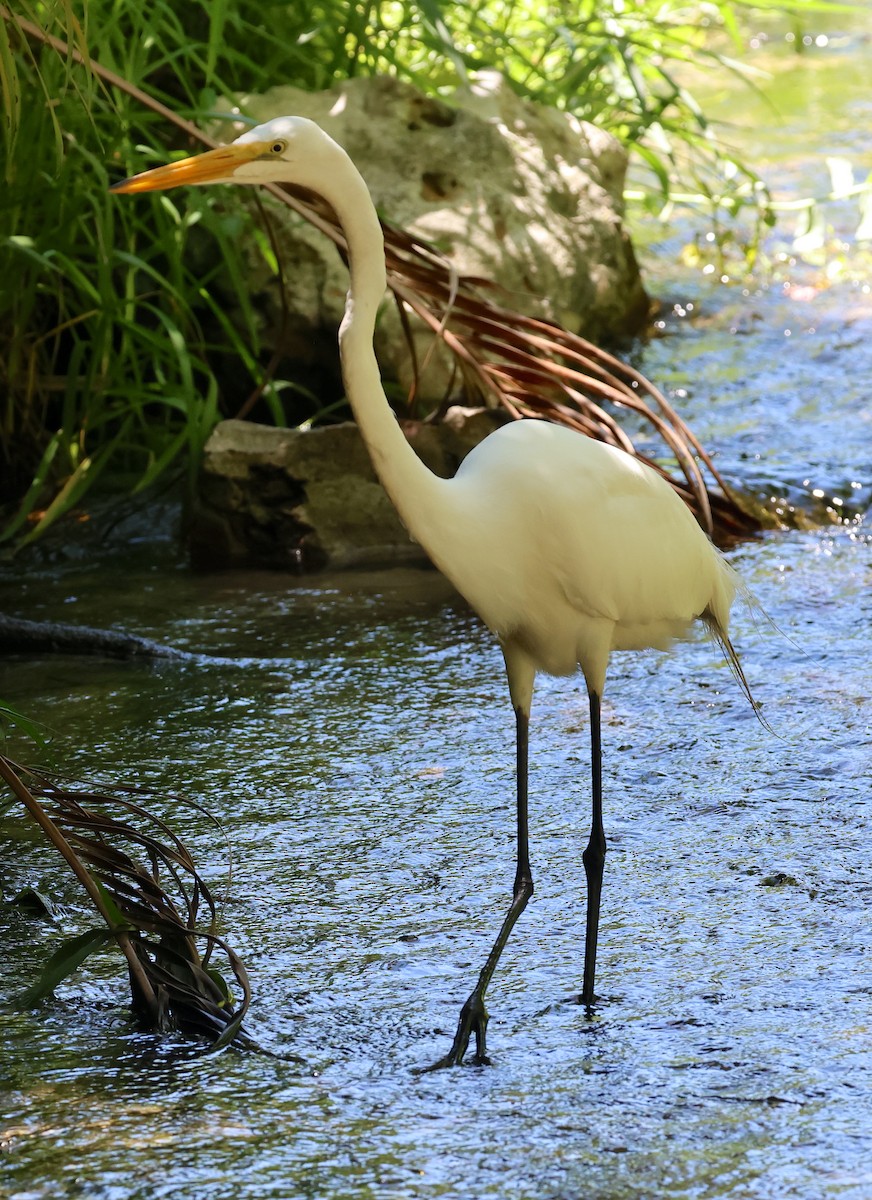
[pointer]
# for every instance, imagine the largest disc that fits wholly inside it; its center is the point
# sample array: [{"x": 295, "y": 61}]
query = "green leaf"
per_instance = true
[
  {"x": 432, "y": 13},
  {"x": 229, "y": 1033},
  {"x": 66, "y": 959},
  {"x": 73, "y": 489},
  {"x": 120, "y": 923},
  {"x": 31, "y": 729},
  {"x": 160, "y": 462},
  {"x": 221, "y": 983},
  {"x": 10, "y": 89}
]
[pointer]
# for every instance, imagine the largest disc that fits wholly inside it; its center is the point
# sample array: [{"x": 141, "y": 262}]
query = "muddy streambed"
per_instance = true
[{"x": 359, "y": 754}]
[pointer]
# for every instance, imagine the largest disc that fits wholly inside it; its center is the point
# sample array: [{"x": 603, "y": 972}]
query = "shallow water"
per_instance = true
[
  {"x": 360, "y": 760},
  {"x": 359, "y": 755}
]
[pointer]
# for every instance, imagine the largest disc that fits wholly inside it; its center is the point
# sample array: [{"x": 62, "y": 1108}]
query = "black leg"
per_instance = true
[
  {"x": 473, "y": 1015},
  {"x": 595, "y": 855}
]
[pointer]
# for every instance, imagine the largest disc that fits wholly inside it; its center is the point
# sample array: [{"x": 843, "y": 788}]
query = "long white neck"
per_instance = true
[{"x": 418, "y": 495}]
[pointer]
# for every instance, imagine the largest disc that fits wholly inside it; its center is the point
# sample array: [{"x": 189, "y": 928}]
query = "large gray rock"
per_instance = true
[
  {"x": 305, "y": 499},
  {"x": 527, "y": 197}
]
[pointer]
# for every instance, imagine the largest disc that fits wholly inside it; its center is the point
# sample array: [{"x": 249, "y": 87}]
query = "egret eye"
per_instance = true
[{"x": 278, "y": 147}]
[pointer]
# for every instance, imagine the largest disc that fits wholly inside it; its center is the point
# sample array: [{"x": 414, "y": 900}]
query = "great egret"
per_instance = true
[{"x": 565, "y": 547}]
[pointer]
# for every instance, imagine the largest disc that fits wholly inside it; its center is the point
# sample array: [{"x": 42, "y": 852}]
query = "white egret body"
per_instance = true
[{"x": 565, "y": 547}]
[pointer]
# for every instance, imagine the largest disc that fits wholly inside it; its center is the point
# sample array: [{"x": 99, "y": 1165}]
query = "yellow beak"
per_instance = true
[{"x": 212, "y": 167}]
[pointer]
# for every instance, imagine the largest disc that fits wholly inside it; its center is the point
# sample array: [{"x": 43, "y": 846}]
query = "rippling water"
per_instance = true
[{"x": 359, "y": 754}]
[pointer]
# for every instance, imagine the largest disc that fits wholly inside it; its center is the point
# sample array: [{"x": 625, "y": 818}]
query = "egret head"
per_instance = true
[{"x": 284, "y": 150}]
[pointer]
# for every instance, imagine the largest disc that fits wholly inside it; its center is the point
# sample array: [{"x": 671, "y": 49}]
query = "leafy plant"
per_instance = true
[
  {"x": 150, "y": 906},
  {"x": 113, "y": 339},
  {"x": 11, "y": 718}
]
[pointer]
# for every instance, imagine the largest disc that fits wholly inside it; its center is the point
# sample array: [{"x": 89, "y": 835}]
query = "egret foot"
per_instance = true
[
  {"x": 579, "y": 998},
  {"x": 473, "y": 1019}
]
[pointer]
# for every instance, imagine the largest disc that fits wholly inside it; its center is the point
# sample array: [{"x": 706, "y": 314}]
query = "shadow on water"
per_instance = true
[{"x": 359, "y": 754}]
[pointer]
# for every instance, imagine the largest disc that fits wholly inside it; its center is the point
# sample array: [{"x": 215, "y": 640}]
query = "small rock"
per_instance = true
[{"x": 302, "y": 500}]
